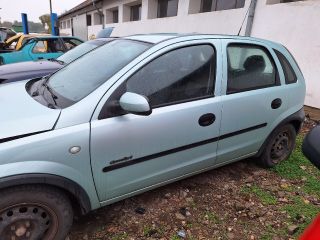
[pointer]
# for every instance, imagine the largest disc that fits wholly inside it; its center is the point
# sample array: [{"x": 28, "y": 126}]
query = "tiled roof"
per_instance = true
[{"x": 78, "y": 7}]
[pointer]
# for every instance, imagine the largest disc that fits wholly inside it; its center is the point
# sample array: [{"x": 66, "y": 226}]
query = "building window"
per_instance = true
[
  {"x": 282, "y": 1},
  {"x": 135, "y": 12},
  {"x": 97, "y": 19},
  {"x": 167, "y": 8},
  {"x": 287, "y": 1},
  {"x": 115, "y": 16},
  {"x": 89, "y": 20},
  {"x": 68, "y": 23},
  {"x": 206, "y": 6},
  {"x": 218, "y": 5}
]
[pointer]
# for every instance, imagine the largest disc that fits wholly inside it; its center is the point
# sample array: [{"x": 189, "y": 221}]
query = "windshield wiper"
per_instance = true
[
  {"x": 56, "y": 60},
  {"x": 53, "y": 96}
]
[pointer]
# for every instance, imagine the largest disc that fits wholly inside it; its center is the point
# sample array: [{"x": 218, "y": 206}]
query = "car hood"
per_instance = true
[
  {"x": 27, "y": 70},
  {"x": 20, "y": 114}
]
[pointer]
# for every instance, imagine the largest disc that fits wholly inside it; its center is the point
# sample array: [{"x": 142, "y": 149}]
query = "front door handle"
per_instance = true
[
  {"x": 276, "y": 103},
  {"x": 207, "y": 119},
  {"x": 40, "y": 58}
]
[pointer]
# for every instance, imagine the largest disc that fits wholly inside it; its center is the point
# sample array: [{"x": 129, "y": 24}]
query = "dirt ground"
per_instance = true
[{"x": 238, "y": 201}]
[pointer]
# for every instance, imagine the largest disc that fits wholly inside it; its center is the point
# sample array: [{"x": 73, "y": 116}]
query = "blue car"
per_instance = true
[
  {"x": 138, "y": 113},
  {"x": 37, "y": 69},
  {"x": 37, "y": 48}
]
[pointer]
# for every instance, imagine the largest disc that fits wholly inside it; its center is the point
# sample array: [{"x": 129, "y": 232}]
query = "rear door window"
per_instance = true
[
  {"x": 71, "y": 43},
  {"x": 250, "y": 67}
]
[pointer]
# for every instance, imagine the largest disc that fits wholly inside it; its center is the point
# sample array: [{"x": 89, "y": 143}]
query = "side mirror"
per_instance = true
[{"x": 135, "y": 104}]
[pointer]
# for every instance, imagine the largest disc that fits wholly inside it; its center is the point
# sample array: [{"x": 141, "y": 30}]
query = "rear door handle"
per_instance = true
[
  {"x": 276, "y": 103},
  {"x": 207, "y": 119}
]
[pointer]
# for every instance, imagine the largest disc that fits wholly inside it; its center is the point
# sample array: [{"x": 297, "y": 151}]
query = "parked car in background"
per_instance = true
[
  {"x": 138, "y": 113},
  {"x": 40, "y": 47},
  {"x": 36, "y": 69},
  {"x": 16, "y": 41},
  {"x": 311, "y": 146}
]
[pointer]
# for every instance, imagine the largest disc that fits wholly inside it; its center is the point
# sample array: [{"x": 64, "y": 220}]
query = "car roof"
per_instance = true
[{"x": 160, "y": 37}]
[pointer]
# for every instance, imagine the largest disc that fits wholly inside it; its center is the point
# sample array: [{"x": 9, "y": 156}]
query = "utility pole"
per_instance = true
[
  {"x": 252, "y": 9},
  {"x": 50, "y": 7}
]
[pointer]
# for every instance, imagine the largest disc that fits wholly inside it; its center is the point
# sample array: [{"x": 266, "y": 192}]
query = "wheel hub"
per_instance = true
[
  {"x": 281, "y": 147},
  {"x": 24, "y": 222}
]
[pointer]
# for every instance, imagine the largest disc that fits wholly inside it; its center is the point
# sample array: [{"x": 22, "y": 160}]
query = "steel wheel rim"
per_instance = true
[
  {"x": 28, "y": 221},
  {"x": 281, "y": 147}
]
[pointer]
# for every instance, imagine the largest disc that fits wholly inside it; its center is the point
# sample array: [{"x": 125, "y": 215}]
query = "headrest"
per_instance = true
[{"x": 255, "y": 63}]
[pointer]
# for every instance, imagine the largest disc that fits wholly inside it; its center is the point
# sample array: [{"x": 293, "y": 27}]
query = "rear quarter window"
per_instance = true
[{"x": 290, "y": 75}]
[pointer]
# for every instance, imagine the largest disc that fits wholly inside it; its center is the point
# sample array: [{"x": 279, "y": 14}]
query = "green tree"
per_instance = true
[{"x": 46, "y": 21}]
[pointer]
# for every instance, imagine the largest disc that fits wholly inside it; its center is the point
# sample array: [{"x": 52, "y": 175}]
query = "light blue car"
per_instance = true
[
  {"x": 40, "y": 47},
  {"x": 138, "y": 113}
]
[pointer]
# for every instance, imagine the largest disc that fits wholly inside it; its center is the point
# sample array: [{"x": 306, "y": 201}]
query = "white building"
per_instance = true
[{"x": 293, "y": 23}]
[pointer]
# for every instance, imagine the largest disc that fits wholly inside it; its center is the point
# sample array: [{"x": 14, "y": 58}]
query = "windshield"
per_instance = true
[
  {"x": 83, "y": 76},
  {"x": 80, "y": 50}
]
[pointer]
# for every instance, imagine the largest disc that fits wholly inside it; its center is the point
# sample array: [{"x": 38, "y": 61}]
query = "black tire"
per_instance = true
[
  {"x": 34, "y": 212},
  {"x": 279, "y": 146}
]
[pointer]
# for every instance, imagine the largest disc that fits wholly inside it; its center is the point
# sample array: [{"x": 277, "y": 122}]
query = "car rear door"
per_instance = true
[
  {"x": 47, "y": 48},
  {"x": 132, "y": 153},
  {"x": 254, "y": 98}
]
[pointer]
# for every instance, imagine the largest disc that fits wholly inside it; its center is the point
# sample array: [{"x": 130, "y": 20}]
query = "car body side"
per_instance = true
[
  {"x": 48, "y": 153},
  {"x": 25, "y": 52}
]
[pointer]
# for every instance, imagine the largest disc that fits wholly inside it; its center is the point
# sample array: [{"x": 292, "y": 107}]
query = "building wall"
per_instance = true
[
  {"x": 183, "y": 23},
  {"x": 66, "y": 31},
  {"x": 295, "y": 25},
  {"x": 93, "y": 30}
]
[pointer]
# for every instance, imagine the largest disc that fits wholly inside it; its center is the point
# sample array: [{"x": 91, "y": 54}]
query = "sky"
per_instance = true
[{"x": 11, "y": 9}]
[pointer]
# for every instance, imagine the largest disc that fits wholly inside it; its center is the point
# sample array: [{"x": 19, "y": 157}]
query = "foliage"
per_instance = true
[
  {"x": 46, "y": 21},
  {"x": 34, "y": 27}
]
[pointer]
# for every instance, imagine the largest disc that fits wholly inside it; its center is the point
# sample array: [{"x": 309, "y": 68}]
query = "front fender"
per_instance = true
[
  {"x": 48, "y": 154},
  {"x": 67, "y": 185}
]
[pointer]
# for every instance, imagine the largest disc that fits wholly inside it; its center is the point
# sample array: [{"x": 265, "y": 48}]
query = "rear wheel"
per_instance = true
[
  {"x": 34, "y": 213},
  {"x": 279, "y": 146}
]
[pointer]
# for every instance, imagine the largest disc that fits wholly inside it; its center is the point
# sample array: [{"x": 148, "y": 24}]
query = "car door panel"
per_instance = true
[
  {"x": 249, "y": 117},
  {"x": 131, "y": 152},
  {"x": 162, "y": 144}
]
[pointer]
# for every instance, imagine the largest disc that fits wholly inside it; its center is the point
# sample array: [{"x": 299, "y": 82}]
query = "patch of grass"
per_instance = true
[
  {"x": 270, "y": 232},
  {"x": 298, "y": 208},
  {"x": 147, "y": 231},
  {"x": 265, "y": 197},
  {"x": 175, "y": 238},
  {"x": 120, "y": 236},
  {"x": 212, "y": 217},
  {"x": 292, "y": 169}
]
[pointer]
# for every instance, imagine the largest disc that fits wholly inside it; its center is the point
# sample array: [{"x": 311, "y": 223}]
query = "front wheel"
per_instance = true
[
  {"x": 279, "y": 146},
  {"x": 34, "y": 212}
]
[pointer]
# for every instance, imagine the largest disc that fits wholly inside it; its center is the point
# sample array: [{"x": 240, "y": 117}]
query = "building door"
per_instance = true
[{"x": 80, "y": 28}]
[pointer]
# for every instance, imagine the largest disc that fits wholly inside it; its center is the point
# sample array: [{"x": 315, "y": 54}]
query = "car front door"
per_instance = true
[
  {"x": 254, "y": 98},
  {"x": 132, "y": 153}
]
